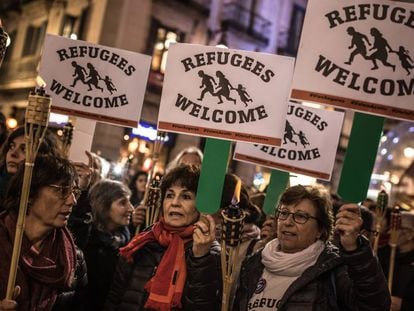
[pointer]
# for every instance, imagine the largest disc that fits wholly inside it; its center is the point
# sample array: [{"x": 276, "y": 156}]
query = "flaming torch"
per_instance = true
[
  {"x": 395, "y": 232},
  {"x": 231, "y": 233},
  {"x": 3, "y": 43},
  {"x": 37, "y": 116},
  {"x": 380, "y": 210},
  {"x": 152, "y": 193}
]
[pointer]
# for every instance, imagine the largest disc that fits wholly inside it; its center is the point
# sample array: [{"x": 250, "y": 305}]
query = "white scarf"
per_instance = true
[{"x": 290, "y": 264}]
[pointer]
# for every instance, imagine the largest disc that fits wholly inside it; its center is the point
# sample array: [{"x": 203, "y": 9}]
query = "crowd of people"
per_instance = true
[{"x": 81, "y": 249}]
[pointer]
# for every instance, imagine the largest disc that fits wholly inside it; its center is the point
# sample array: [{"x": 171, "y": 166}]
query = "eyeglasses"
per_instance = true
[
  {"x": 298, "y": 217},
  {"x": 66, "y": 191}
]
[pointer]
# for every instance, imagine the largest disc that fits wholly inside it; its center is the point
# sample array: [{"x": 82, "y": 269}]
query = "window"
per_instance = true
[
  {"x": 295, "y": 29},
  {"x": 34, "y": 39},
  {"x": 163, "y": 38},
  {"x": 68, "y": 28}
]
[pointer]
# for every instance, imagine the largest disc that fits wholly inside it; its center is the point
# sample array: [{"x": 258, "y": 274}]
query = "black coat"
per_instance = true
[
  {"x": 337, "y": 281},
  {"x": 101, "y": 255},
  {"x": 203, "y": 276},
  {"x": 75, "y": 297},
  {"x": 403, "y": 278}
]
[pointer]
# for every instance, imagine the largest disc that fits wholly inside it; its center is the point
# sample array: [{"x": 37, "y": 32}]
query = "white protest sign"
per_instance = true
[
  {"x": 94, "y": 81},
  {"x": 358, "y": 55},
  {"x": 83, "y": 137},
  {"x": 224, "y": 93},
  {"x": 309, "y": 143}
]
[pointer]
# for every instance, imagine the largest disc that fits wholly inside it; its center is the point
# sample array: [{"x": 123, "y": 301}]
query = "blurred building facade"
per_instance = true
[
  {"x": 145, "y": 26},
  {"x": 149, "y": 27}
]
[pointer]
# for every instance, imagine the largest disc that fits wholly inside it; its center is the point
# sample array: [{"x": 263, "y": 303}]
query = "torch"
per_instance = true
[
  {"x": 380, "y": 210},
  {"x": 153, "y": 201},
  {"x": 3, "y": 42},
  {"x": 395, "y": 225},
  {"x": 152, "y": 193},
  {"x": 37, "y": 116},
  {"x": 231, "y": 233},
  {"x": 67, "y": 138}
]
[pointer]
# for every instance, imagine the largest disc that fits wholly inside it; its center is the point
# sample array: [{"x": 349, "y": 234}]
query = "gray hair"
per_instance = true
[{"x": 101, "y": 197}]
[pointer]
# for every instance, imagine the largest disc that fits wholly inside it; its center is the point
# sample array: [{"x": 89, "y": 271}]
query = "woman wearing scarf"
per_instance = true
[
  {"x": 302, "y": 270},
  {"x": 51, "y": 272},
  {"x": 172, "y": 265},
  {"x": 111, "y": 213}
]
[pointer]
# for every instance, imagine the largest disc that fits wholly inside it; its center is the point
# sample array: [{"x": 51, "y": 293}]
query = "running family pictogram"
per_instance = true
[
  {"x": 91, "y": 78},
  {"x": 289, "y": 134},
  {"x": 379, "y": 49},
  {"x": 222, "y": 88}
]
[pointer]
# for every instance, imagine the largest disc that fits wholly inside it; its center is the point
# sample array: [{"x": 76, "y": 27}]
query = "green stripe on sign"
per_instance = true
[
  {"x": 360, "y": 157},
  {"x": 213, "y": 171},
  {"x": 278, "y": 183}
]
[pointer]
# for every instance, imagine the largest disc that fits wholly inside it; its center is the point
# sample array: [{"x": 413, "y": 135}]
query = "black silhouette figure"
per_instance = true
[
  {"x": 208, "y": 83},
  {"x": 93, "y": 78},
  {"x": 244, "y": 96},
  {"x": 359, "y": 44},
  {"x": 224, "y": 87},
  {"x": 109, "y": 84},
  {"x": 406, "y": 61},
  {"x": 79, "y": 74},
  {"x": 380, "y": 46},
  {"x": 303, "y": 140},
  {"x": 289, "y": 132}
]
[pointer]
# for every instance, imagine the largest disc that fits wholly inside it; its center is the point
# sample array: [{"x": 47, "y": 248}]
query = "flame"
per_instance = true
[{"x": 236, "y": 195}]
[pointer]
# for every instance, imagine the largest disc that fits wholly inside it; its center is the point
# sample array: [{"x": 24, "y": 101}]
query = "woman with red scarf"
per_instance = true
[
  {"x": 51, "y": 272},
  {"x": 174, "y": 265}
]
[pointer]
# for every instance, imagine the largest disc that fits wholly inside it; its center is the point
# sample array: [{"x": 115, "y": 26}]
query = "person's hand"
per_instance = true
[
  {"x": 8, "y": 304},
  {"x": 268, "y": 231},
  {"x": 396, "y": 303},
  {"x": 94, "y": 164},
  {"x": 348, "y": 224},
  {"x": 138, "y": 215},
  {"x": 204, "y": 235},
  {"x": 84, "y": 172}
]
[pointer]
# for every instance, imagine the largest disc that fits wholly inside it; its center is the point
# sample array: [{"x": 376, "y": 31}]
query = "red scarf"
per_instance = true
[
  {"x": 165, "y": 288},
  {"x": 41, "y": 274}
]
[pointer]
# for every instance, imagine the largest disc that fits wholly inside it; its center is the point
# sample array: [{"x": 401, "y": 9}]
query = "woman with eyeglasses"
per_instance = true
[
  {"x": 51, "y": 271},
  {"x": 173, "y": 265},
  {"x": 111, "y": 215},
  {"x": 302, "y": 270},
  {"x": 12, "y": 154}
]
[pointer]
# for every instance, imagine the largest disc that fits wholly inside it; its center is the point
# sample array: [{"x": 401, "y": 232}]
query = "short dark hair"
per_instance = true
[
  {"x": 47, "y": 170},
  {"x": 320, "y": 199},
  {"x": 101, "y": 197},
  {"x": 185, "y": 176}
]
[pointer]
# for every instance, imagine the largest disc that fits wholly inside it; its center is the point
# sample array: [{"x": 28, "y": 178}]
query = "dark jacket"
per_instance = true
[
  {"x": 4, "y": 184},
  {"x": 403, "y": 278},
  {"x": 337, "y": 281},
  {"x": 75, "y": 297},
  {"x": 102, "y": 254},
  {"x": 203, "y": 276},
  {"x": 80, "y": 221}
]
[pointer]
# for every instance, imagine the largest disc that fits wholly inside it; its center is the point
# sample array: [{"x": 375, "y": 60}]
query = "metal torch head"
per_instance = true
[
  {"x": 382, "y": 203},
  {"x": 68, "y": 133},
  {"x": 38, "y": 108},
  {"x": 232, "y": 229},
  {"x": 3, "y": 43}
]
